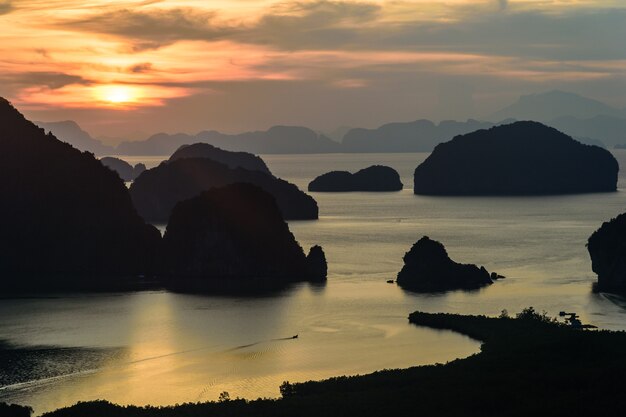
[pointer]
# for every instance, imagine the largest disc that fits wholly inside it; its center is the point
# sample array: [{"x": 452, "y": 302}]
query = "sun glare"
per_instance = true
[{"x": 117, "y": 94}]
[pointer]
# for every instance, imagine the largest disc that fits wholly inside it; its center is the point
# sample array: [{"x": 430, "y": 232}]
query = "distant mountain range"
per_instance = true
[
  {"x": 545, "y": 107},
  {"x": 609, "y": 130},
  {"x": 68, "y": 131},
  {"x": 277, "y": 140},
  {"x": 587, "y": 120},
  {"x": 418, "y": 136}
]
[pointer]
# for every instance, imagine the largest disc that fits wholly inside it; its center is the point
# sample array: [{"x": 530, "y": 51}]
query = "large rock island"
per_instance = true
[
  {"x": 234, "y": 238},
  {"x": 522, "y": 158},
  {"x": 243, "y": 160},
  {"x": 607, "y": 248},
  {"x": 66, "y": 221},
  {"x": 157, "y": 190},
  {"x": 428, "y": 268},
  {"x": 374, "y": 178}
]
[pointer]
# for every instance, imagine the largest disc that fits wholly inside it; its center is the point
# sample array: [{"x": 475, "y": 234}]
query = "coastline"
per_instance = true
[{"x": 529, "y": 364}]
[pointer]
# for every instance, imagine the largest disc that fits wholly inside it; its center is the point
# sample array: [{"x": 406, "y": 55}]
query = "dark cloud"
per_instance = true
[
  {"x": 581, "y": 34},
  {"x": 571, "y": 35},
  {"x": 291, "y": 25},
  {"x": 6, "y": 6},
  {"x": 52, "y": 80},
  {"x": 43, "y": 52},
  {"x": 140, "y": 68},
  {"x": 152, "y": 28},
  {"x": 503, "y": 4},
  {"x": 326, "y": 25},
  {"x": 12, "y": 83},
  {"x": 321, "y": 24}
]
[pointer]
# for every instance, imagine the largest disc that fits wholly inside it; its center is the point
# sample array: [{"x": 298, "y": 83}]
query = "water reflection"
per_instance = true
[{"x": 179, "y": 347}]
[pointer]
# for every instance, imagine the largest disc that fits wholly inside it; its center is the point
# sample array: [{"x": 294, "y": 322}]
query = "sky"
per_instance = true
[{"x": 127, "y": 68}]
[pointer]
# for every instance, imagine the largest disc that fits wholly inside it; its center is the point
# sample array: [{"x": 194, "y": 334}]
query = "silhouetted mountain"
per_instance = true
[
  {"x": 523, "y": 158},
  {"x": 276, "y": 140},
  {"x": 417, "y": 136},
  {"x": 590, "y": 141},
  {"x": 68, "y": 131},
  {"x": 374, "y": 178},
  {"x": 590, "y": 119},
  {"x": 128, "y": 136},
  {"x": 158, "y": 144},
  {"x": 126, "y": 171},
  {"x": 243, "y": 160},
  {"x": 428, "y": 268},
  {"x": 65, "y": 219},
  {"x": 609, "y": 130},
  {"x": 338, "y": 133},
  {"x": 545, "y": 107},
  {"x": 157, "y": 190},
  {"x": 233, "y": 238},
  {"x": 607, "y": 248}
]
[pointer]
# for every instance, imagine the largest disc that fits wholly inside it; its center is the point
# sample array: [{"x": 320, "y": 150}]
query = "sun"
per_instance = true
[
  {"x": 117, "y": 94},
  {"x": 120, "y": 96}
]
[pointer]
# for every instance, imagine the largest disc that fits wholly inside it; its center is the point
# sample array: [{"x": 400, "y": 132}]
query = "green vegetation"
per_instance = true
[{"x": 528, "y": 365}]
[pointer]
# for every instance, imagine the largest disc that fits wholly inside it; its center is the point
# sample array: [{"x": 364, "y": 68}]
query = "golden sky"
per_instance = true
[{"x": 117, "y": 66}]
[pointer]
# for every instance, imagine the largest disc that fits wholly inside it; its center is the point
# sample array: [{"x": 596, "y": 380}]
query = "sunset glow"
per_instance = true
[
  {"x": 59, "y": 57},
  {"x": 117, "y": 94},
  {"x": 312, "y": 208}
]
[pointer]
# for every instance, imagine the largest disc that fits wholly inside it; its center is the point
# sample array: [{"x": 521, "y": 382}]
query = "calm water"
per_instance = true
[{"x": 171, "y": 348}]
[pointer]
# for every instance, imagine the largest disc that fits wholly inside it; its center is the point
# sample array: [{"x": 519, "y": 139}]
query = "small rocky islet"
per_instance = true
[
  {"x": 373, "y": 178},
  {"x": 428, "y": 268}
]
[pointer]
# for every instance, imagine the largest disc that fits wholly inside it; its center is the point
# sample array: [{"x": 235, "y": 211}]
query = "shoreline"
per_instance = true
[{"x": 528, "y": 364}]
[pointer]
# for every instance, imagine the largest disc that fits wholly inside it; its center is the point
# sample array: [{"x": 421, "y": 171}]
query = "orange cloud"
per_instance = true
[{"x": 126, "y": 54}]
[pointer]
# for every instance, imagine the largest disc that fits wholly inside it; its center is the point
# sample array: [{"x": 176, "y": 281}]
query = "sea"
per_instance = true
[{"x": 163, "y": 348}]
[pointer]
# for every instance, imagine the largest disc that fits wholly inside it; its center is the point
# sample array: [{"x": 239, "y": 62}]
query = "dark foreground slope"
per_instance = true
[
  {"x": 157, "y": 190},
  {"x": 14, "y": 410},
  {"x": 234, "y": 238},
  {"x": 522, "y": 158},
  {"x": 528, "y": 366},
  {"x": 373, "y": 178},
  {"x": 232, "y": 159},
  {"x": 65, "y": 219},
  {"x": 70, "y": 132}
]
